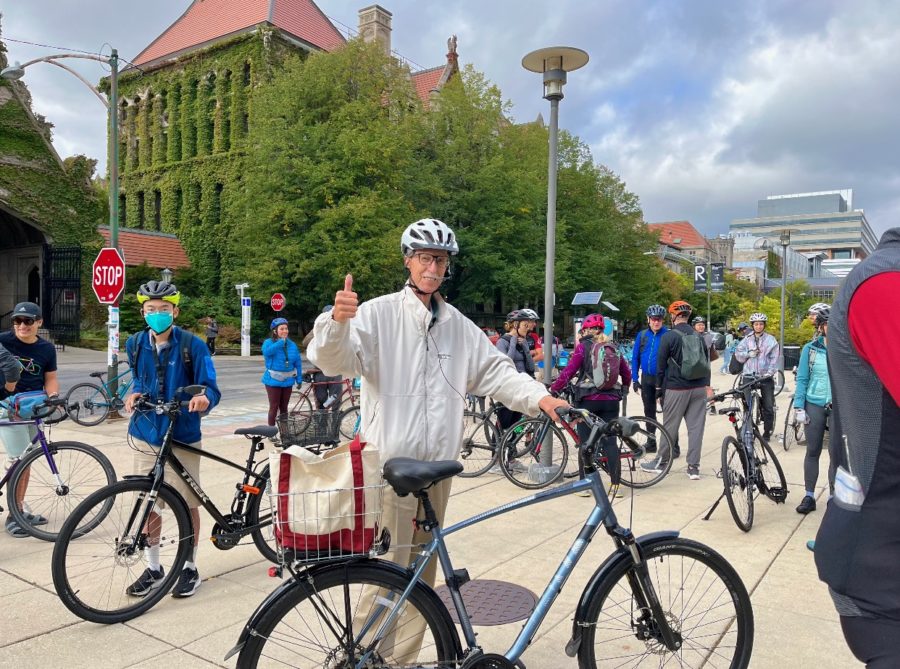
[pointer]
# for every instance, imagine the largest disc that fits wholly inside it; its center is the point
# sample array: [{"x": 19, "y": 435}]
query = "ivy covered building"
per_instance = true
[{"x": 185, "y": 111}]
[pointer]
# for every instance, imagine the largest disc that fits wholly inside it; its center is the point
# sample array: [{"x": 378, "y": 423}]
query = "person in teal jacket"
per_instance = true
[
  {"x": 283, "y": 368},
  {"x": 812, "y": 405}
]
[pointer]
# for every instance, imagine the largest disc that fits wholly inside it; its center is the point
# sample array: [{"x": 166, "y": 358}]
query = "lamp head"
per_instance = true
[
  {"x": 167, "y": 275},
  {"x": 553, "y": 63},
  {"x": 13, "y": 72}
]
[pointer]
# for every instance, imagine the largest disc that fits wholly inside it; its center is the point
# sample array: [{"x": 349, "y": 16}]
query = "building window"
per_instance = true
[
  {"x": 247, "y": 73},
  {"x": 157, "y": 210},
  {"x": 842, "y": 254},
  {"x": 140, "y": 204}
]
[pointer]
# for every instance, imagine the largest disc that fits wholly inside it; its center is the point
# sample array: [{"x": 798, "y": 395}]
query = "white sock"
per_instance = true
[
  {"x": 153, "y": 558},
  {"x": 189, "y": 564},
  {"x": 194, "y": 555}
]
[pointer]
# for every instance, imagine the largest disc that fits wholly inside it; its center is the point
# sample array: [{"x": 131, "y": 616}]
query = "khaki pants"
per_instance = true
[
  {"x": 402, "y": 644},
  {"x": 145, "y": 458}
]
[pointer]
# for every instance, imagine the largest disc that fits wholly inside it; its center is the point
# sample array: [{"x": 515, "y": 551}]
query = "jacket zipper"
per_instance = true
[{"x": 425, "y": 384}]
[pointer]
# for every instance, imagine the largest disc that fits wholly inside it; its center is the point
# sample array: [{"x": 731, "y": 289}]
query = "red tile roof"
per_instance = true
[
  {"x": 206, "y": 21},
  {"x": 679, "y": 234},
  {"x": 426, "y": 81},
  {"x": 157, "y": 249}
]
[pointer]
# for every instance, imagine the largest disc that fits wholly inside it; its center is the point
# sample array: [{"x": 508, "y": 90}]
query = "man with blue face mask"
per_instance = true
[{"x": 163, "y": 358}]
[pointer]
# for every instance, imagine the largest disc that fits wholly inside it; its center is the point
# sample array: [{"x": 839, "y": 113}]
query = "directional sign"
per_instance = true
[
  {"x": 277, "y": 302},
  {"x": 108, "y": 276},
  {"x": 716, "y": 277}
]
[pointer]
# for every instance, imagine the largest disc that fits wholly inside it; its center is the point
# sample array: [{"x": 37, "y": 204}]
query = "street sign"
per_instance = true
[
  {"x": 716, "y": 277},
  {"x": 699, "y": 278},
  {"x": 277, "y": 302},
  {"x": 108, "y": 276}
]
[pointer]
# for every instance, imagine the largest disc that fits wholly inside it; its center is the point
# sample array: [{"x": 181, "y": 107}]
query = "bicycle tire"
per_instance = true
[
  {"x": 88, "y": 404},
  {"x": 307, "y": 626},
  {"x": 794, "y": 433},
  {"x": 520, "y": 457},
  {"x": 779, "y": 382},
  {"x": 738, "y": 486},
  {"x": 97, "y": 594},
  {"x": 44, "y": 497},
  {"x": 303, "y": 405},
  {"x": 704, "y": 600},
  {"x": 481, "y": 434},
  {"x": 349, "y": 419},
  {"x": 633, "y": 476},
  {"x": 772, "y": 484},
  {"x": 261, "y": 505}
]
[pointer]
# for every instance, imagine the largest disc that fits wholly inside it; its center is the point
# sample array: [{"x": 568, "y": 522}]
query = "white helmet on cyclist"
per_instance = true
[
  {"x": 819, "y": 307},
  {"x": 529, "y": 315},
  {"x": 758, "y": 317},
  {"x": 428, "y": 234}
]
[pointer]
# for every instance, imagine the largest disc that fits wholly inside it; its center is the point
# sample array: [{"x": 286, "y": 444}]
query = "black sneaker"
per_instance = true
[
  {"x": 188, "y": 583},
  {"x": 806, "y": 505},
  {"x": 651, "y": 446},
  {"x": 676, "y": 451},
  {"x": 150, "y": 580}
]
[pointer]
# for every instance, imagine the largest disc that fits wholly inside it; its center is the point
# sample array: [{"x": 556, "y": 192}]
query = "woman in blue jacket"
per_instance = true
[
  {"x": 283, "y": 368},
  {"x": 812, "y": 405}
]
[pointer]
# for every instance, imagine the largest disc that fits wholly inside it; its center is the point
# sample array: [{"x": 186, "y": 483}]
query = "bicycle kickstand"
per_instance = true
[{"x": 713, "y": 507}]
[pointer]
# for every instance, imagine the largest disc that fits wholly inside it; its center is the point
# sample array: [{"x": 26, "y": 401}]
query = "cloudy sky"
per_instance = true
[{"x": 702, "y": 107}]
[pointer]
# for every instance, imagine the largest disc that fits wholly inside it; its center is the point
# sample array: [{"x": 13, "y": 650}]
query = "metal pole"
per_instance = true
[
  {"x": 708, "y": 290},
  {"x": 113, "y": 153},
  {"x": 783, "y": 289},
  {"x": 550, "y": 261}
]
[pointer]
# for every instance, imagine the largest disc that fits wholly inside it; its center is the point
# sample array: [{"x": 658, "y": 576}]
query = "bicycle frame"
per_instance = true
[
  {"x": 39, "y": 438},
  {"x": 601, "y": 514}
]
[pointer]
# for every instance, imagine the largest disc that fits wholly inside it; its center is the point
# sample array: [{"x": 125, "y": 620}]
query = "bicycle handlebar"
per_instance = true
[{"x": 144, "y": 403}]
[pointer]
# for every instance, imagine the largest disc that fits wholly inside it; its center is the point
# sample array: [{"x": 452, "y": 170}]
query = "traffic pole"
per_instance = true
[{"x": 112, "y": 347}]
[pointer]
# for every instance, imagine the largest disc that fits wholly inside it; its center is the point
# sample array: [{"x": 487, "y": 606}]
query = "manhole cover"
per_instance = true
[{"x": 491, "y": 602}]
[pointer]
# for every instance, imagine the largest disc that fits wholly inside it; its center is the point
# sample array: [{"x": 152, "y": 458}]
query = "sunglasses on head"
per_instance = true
[{"x": 23, "y": 321}]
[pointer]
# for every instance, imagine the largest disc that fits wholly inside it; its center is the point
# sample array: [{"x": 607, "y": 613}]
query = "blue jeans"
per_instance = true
[{"x": 727, "y": 358}]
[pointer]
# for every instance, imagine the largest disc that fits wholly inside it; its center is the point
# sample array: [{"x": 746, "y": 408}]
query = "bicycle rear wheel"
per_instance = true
[
  {"x": 349, "y": 422},
  {"x": 48, "y": 499},
  {"x": 259, "y": 512},
  {"x": 738, "y": 484},
  {"x": 770, "y": 478},
  {"x": 703, "y": 600},
  {"x": 88, "y": 404},
  {"x": 633, "y": 453},
  {"x": 779, "y": 382},
  {"x": 524, "y": 458},
  {"x": 329, "y": 618},
  {"x": 92, "y": 571},
  {"x": 794, "y": 433},
  {"x": 481, "y": 434}
]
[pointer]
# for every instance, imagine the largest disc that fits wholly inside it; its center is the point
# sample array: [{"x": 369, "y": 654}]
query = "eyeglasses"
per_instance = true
[
  {"x": 425, "y": 259},
  {"x": 160, "y": 310},
  {"x": 23, "y": 321},
  {"x": 656, "y": 318}
]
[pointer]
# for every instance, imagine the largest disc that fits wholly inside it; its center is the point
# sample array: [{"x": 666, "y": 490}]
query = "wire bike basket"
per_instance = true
[{"x": 310, "y": 428}]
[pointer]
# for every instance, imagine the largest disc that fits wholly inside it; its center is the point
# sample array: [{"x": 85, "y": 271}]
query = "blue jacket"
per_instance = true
[
  {"x": 813, "y": 385},
  {"x": 283, "y": 357},
  {"x": 643, "y": 357},
  {"x": 151, "y": 427}
]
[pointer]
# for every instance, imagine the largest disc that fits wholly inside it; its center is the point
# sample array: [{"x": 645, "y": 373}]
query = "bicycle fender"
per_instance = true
[
  {"x": 602, "y": 572},
  {"x": 317, "y": 569}
]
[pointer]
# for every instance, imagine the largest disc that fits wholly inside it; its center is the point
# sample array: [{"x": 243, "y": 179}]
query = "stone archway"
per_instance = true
[{"x": 21, "y": 262}]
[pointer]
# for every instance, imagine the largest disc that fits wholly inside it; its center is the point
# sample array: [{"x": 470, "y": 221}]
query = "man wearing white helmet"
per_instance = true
[{"x": 418, "y": 357}]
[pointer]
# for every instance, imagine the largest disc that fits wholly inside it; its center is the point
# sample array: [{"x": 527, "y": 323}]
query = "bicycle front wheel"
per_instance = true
[
  {"x": 703, "y": 600},
  {"x": 259, "y": 512},
  {"x": 533, "y": 453},
  {"x": 88, "y": 404},
  {"x": 330, "y": 618},
  {"x": 779, "y": 382},
  {"x": 47, "y": 498},
  {"x": 794, "y": 433},
  {"x": 738, "y": 483},
  {"x": 481, "y": 434},
  {"x": 96, "y": 574},
  {"x": 770, "y": 480},
  {"x": 633, "y": 453},
  {"x": 349, "y": 422}
]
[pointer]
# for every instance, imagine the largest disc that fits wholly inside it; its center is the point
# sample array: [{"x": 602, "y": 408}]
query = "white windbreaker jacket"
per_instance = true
[{"x": 416, "y": 371}]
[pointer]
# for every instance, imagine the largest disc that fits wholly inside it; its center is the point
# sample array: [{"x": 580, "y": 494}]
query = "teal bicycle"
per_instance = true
[{"x": 89, "y": 404}]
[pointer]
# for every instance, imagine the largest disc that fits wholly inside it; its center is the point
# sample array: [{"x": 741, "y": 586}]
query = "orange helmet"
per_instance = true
[{"x": 680, "y": 307}]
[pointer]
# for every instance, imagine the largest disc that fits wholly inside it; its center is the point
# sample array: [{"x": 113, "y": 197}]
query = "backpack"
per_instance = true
[
  {"x": 184, "y": 344},
  {"x": 599, "y": 369},
  {"x": 694, "y": 356}
]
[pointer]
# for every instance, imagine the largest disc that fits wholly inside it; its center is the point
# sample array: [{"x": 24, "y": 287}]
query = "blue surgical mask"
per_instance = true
[{"x": 160, "y": 321}]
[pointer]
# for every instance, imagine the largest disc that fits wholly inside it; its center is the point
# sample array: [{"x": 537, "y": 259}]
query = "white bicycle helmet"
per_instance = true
[
  {"x": 428, "y": 234},
  {"x": 819, "y": 307},
  {"x": 758, "y": 316},
  {"x": 529, "y": 315}
]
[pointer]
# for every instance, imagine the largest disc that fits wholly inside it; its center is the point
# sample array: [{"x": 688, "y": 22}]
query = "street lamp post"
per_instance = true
[
  {"x": 785, "y": 239},
  {"x": 553, "y": 63},
  {"x": 16, "y": 72},
  {"x": 167, "y": 275}
]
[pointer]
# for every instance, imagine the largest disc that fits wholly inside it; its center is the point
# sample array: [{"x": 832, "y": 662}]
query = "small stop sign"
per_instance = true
[
  {"x": 108, "y": 276},
  {"x": 277, "y": 302}
]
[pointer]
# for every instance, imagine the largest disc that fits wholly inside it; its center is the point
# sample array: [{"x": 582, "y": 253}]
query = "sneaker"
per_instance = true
[
  {"x": 516, "y": 466},
  {"x": 188, "y": 583},
  {"x": 150, "y": 580},
  {"x": 35, "y": 519},
  {"x": 811, "y": 545},
  {"x": 651, "y": 446},
  {"x": 806, "y": 505},
  {"x": 584, "y": 493},
  {"x": 676, "y": 451},
  {"x": 656, "y": 466},
  {"x": 693, "y": 472},
  {"x": 615, "y": 492},
  {"x": 13, "y": 529},
  {"x": 767, "y": 436}
]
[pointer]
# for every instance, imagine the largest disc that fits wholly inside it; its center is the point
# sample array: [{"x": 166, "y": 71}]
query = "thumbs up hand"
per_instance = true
[{"x": 345, "y": 302}]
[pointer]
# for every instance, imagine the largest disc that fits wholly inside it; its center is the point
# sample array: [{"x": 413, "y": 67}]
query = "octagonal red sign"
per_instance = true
[
  {"x": 277, "y": 302},
  {"x": 108, "y": 276}
]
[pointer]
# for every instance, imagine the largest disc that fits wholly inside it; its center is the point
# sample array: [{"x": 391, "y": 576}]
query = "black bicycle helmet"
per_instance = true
[
  {"x": 698, "y": 319},
  {"x": 656, "y": 311},
  {"x": 822, "y": 316},
  {"x": 158, "y": 290}
]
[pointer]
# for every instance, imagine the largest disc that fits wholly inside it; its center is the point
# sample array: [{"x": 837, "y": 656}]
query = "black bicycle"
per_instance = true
[
  {"x": 92, "y": 570},
  {"x": 749, "y": 465}
]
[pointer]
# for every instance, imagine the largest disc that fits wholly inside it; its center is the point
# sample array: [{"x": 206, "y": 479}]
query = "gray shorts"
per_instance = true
[{"x": 145, "y": 458}]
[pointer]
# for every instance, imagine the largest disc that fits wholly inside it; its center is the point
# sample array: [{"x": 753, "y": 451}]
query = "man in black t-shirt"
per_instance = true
[{"x": 38, "y": 359}]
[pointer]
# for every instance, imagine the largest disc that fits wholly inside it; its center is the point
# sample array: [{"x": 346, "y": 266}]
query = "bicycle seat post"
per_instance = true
[{"x": 430, "y": 521}]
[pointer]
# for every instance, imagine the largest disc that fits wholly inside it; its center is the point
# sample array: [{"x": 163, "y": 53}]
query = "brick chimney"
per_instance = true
[{"x": 375, "y": 26}]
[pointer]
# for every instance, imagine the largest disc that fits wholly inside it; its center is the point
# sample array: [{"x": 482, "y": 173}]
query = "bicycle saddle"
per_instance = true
[
  {"x": 97, "y": 375},
  {"x": 258, "y": 431},
  {"x": 728, "y": 410},
  {"x": 406, "y": 475}
]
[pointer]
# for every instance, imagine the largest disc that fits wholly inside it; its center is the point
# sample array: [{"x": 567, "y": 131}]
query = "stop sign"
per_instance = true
[
  {"x": 108, "y": 276},
  {"x": 277, "y": 302}
]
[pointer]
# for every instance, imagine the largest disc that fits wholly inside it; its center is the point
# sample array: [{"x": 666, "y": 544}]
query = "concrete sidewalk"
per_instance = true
[{"x": 796, "y": 624}]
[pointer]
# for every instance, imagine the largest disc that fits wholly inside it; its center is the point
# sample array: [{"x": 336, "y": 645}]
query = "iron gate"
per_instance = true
[{"x": 61, "y": 302}]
